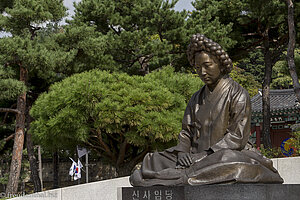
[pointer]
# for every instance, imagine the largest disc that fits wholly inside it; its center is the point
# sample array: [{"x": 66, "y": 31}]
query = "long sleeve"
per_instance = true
[
  {"x": 184, "y": 137},
  {"x": 238, "y": 130},
  {"x": 188, "y": 123}
]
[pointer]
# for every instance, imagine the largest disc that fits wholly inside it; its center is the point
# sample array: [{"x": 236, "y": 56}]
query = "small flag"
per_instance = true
[
  {"x": 77, "y": 174},
  {"x": 81, "y": 151},
  {"x": 72, "y": 168},
  {"x": 79, "y": 164}
]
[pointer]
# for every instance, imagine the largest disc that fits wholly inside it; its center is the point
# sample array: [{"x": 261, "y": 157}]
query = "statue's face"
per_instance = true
[{"x": 208, "y": 69}]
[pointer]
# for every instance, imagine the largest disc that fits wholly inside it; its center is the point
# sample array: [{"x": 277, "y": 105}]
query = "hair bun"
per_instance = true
[{"x": 201, "y": 43}]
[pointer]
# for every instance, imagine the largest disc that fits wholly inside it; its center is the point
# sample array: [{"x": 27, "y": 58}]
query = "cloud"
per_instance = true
[{"x": 70, "y": 7}]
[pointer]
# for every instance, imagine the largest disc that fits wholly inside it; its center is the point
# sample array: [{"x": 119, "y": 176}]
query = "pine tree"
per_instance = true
[
  {"x": 142, "y": 35},
  {"x": 95, "y": 109},
  {"x": 27, "y": 54}
]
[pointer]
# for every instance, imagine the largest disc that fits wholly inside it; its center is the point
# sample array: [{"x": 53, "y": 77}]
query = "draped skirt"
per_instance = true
[{"x": 221, "y": 167}]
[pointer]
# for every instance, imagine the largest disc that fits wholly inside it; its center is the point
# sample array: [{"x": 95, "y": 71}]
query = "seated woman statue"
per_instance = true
[{"x": 213, "y": 144}]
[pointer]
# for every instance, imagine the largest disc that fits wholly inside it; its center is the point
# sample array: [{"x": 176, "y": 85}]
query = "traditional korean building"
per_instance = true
[{"x": 285, "y": 111}]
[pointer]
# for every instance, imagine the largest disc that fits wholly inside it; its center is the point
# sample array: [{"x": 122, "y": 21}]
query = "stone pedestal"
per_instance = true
[{"x": 212, "y": 192}]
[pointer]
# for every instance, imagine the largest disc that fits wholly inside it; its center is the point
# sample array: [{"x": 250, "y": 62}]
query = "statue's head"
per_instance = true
[
  {"x": 200, "y": 43},
  {"x": 209, "y": 59}
]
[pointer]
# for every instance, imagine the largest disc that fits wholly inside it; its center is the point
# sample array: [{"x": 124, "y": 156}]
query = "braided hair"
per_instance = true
[{"x": 201, "y": 43}]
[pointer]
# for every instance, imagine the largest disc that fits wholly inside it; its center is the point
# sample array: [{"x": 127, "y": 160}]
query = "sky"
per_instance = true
[{"x": 182, "y": 4}]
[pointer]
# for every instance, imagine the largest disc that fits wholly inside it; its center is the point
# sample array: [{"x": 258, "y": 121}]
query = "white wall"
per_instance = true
[
  {"x": 288, "y": 168},
  {"x": 101, "y": 190}
]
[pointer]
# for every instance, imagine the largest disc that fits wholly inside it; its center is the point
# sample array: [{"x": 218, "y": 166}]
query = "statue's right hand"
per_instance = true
[{"x": 184, "y": 159}]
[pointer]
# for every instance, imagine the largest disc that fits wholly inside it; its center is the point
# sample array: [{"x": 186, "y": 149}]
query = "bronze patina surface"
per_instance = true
[{"x": 213, "y": 144}]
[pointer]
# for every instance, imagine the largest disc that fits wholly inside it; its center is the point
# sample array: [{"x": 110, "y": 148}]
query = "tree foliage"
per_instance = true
[
  {"x": 145, "y": 35},
  {"x": 246, "y": 80},
  {"x": 89, "y": 46},
  {"x": 5, "y": 4},
  {"x": 140, "y": 34},
  {"x": 282, "y": 78},
  {"x": 118, "y": 115},
  {"x": 10, "y": 87},
  {"x": 254, "y": 64},
  {"x": 205, "y": 20},
  {"x": 30, "y": 46}
]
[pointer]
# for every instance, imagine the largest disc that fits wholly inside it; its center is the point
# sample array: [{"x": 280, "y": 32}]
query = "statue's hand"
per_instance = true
[{"x": 184, "y": 159}]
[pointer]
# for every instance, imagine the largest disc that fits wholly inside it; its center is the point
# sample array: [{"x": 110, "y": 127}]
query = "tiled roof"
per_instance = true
[{"x": 279, "y": 100}]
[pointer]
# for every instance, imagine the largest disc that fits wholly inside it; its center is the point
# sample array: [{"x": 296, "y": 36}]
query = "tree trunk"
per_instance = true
[
  {"x": 291, "y": 49},
  {"x": 33, "y": 164},
  {"x": 32, "y": 159},
  {"x": 126, "y": 169},
  {"x": 55, "y": 170},
  {"x": 15, "y": 167},
  {"x": 266, "y": 93}
]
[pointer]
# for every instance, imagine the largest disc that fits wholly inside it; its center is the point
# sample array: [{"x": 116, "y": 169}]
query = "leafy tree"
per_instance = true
[
  {"x": 26, "y": 55},
  {"x": 121, "y": 117},
  {"x": 282, "y": 78},
  {"x": 246, "y": 80},
  {"x": 254, "y": 64}
]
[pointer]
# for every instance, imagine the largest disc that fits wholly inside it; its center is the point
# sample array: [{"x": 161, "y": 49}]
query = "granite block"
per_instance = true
[{"x": 213, "y": 192}]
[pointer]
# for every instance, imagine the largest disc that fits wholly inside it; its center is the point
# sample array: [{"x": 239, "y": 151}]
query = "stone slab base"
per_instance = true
[{"x": 213, "y": 192}]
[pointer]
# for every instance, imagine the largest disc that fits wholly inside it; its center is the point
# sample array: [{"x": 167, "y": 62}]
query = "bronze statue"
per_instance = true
[{"x": 213, "y": 144}]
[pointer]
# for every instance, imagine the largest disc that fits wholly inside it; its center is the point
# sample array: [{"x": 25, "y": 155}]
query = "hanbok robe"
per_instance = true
[{"x": 217, "y": 121}]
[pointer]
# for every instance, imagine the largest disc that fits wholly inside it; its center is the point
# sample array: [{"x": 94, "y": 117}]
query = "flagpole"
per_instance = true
[
  {"x": 40, "y": 166},
  {"x": 87, "y": 167}
]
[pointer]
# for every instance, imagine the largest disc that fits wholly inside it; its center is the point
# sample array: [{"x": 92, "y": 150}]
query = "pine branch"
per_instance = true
[
  {"x": 15, "y": 111},
  {"x": 9, "y": 137},
  {"x": 94, "y": 146},
  {"x": 6, "y": 114},
  {"x": 105, "y": 146},
  {"x": 5, "y": 140}
]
